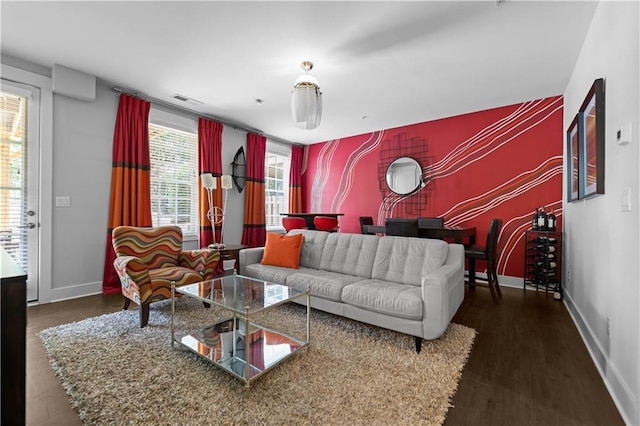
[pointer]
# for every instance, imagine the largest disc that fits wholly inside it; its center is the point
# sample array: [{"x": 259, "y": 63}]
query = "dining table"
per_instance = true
[
  {"x": 308, "y": 217},
  {"x": 465, "y": 235}
]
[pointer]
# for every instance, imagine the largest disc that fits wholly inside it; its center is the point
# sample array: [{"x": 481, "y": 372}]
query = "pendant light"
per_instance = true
[{"x": 306, "y": 100}]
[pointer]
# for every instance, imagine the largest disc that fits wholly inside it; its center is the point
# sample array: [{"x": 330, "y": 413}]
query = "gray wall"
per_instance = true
[
  {"x": 81, "y": 169},
  {"x": 602, "y": 242},
  {"x": 83, "y": 141}
]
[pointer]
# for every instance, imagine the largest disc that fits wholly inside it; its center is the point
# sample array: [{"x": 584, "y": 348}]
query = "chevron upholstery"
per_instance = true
[{"x": 149, "y": 259}]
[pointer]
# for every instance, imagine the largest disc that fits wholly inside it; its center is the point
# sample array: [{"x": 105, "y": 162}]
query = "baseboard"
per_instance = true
[
  {"x": 503, "y": 280},
  {"x": 76, "y": 291},
  {"x": 620, "y": 392}
]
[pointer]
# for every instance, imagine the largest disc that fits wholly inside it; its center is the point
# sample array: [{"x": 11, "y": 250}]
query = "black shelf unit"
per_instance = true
[{"x": 543, "y": 260}]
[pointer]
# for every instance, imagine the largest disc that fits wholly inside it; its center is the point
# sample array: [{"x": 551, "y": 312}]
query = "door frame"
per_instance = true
[
  {"x": 30, "y": 186},
  {"x": 44, "y": 83}
]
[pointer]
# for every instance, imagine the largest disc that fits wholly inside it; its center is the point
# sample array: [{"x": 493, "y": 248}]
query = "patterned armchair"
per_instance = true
[{"x": 148, "y": 259}]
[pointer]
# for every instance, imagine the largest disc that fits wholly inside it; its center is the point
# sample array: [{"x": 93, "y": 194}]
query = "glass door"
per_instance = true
[{"x": 19, "y": 168}]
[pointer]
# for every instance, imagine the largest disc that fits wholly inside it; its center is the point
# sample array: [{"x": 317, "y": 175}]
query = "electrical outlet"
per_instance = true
[
  {"x": 608, "y": 326},
  {"x": 568, "y": 276}
]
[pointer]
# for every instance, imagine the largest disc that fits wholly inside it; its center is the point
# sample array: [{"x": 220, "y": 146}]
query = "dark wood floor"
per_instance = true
[{"x": 528, "y": 365}]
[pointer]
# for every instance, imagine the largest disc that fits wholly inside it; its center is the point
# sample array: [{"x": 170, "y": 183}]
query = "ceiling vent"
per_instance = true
[{"x": 184, "y": 98}]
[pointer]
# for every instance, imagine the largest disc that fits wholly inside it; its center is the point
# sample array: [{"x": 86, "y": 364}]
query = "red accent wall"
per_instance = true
[{"x": 498, "y": 163}]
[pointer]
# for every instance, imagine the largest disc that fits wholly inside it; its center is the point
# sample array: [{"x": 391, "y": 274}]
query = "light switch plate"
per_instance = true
[
  {"x": 63, "y": 201},
  {"x": 625, "y": 200}
]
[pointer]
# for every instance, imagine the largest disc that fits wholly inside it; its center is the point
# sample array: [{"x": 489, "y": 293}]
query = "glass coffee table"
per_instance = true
[{"x": 238, "y": 345}]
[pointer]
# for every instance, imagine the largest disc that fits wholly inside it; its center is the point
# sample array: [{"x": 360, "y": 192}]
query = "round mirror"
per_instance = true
[{"x": 404, "y": 175}]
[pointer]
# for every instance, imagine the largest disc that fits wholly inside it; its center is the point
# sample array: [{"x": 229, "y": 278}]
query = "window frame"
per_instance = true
[
  {"x": 283, "y": 151},
  {"x": 181, "y": 123}
]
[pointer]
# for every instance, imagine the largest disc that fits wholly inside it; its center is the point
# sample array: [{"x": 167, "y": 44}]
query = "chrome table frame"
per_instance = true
[{"x": 228, "y": 293}]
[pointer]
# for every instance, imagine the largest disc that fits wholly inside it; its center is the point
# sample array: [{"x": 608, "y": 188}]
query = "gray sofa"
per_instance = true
[{"x": 410, "y": 285}]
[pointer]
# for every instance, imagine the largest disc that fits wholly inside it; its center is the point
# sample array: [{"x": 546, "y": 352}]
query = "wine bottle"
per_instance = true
[
  {"x": 545, "y": 248},
  {"x": 542, "y": 220},
  {"x": 551, "y": 220},
  {"x": 543, "y": 239},
  {"x": 534, "y": 220},
  {"x": 542, "y": 264}
]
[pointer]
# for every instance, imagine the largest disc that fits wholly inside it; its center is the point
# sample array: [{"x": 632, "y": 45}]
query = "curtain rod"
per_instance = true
[{"x": 211, "y": 117}]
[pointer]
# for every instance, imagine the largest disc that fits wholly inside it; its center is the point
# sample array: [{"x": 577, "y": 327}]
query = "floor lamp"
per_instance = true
[
  {"x": 214, "y": 214},
  {"x": 226, "y": 184}
]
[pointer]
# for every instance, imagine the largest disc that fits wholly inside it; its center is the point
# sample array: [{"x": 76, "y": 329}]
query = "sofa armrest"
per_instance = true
[
  {"x": 249, "y": 257},
  {"x": 443, "y": 292},
  {"x": 134, "y": 278},
  {"x": 203, "y": 261}
]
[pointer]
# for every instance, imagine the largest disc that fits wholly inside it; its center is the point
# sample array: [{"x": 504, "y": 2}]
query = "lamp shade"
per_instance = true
[
  {"x": 225, "y": 182},
  {"x": 208, "y": 181},
  {"x": 306, "y": 100}
]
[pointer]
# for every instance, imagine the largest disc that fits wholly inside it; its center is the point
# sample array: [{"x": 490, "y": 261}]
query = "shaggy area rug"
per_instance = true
[{"x": 351, "y": 373}]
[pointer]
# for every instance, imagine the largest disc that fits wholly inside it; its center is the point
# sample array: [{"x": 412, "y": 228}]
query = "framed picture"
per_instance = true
[
  {"x": 573, "y": 165},
  {"x": 591, "y": 136}
]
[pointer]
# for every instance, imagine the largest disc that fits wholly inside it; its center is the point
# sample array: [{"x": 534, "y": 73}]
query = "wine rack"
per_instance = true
[{"x": 543, "y": 260}]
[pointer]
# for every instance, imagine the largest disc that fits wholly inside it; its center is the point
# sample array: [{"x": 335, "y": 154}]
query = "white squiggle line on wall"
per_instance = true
[
  {"x": 481, "y": 135},
  {"x": 493, "y": 201},
  {"x": 387, "y": 206},
  {"x": 322, "y": 173},
  {"x": 510, "y": 122},
  {"x": 315, "y": 194},
  {"x": 518, "y": 233},
  {"x": 465, "y": 160},
  {"x": 346, "y": 180},
  {"x": 477, "y": 211},
  {"x": 535, "y": 171}
]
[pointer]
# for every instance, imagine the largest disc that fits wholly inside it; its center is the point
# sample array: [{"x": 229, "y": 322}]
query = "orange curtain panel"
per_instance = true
[
  {"x": 295, "y": 179},
  {"x": 209, "y": 161},
  {"x": 254, "y": 232},
  {"x": 130, "y": 202}
]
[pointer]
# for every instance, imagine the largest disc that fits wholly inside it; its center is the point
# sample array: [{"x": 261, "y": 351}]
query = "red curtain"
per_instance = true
[
  {"x": 130, "y": 202},
  {"x": 295, "y": 179},
  {"x": 209, "y": 161},
  {"x": 254, "y": 232}
]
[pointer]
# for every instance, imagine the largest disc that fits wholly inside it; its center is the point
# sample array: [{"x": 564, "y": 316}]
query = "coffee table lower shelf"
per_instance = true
[{"x": 224, "y": 344}]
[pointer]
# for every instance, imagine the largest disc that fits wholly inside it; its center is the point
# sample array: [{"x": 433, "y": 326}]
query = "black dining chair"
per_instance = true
[
  {"x": 488, "y": 253},
  {"x": 430, "y": 222},
  {"x": 401, "y": 227},
  {"x": 365, "y": 220}
]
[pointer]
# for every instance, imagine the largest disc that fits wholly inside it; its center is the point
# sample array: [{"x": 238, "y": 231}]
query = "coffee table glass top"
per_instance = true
[{"x": 238, "y": 294}]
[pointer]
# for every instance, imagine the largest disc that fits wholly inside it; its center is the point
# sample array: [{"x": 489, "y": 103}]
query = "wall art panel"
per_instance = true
[{"x": 499, "y": 163}]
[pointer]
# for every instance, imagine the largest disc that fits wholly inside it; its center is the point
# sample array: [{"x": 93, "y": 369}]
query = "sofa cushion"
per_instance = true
[
  {"x": 351, "y": 254},
  {"x": 312, "y": 247},
  {"x": 282, "y": 250},
  {"x": 406, "y": 260},
  {"x": 273, "y": 274},
  {"x": 385, "y": 297},
  {"x": 327, "y": 285}
]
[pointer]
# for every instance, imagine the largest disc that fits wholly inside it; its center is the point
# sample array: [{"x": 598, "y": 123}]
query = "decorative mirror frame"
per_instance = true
[
  {"x": 419, "y": 183},
  {"x": 239, "y": 169}
]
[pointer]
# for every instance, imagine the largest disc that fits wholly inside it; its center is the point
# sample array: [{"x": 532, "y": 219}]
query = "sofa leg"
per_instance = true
[
  {"x": 144, "y": 314},
  {"x": 418, "y": 344}
]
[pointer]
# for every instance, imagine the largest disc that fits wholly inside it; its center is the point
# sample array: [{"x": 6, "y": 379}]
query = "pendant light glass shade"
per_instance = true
[{"x": 306, "y": 100}]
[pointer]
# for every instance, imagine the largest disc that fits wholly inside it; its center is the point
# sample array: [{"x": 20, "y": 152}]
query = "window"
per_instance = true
[
  {"x": 276, "y": 170},
  {"x": 174, "y": 178}
]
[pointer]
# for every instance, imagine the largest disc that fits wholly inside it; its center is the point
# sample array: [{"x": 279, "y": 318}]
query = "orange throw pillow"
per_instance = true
[{"x": 282, "y": 250}]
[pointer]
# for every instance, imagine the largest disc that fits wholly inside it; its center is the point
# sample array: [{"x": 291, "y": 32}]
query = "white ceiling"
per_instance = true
[{"x": 396, "y": 63}]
